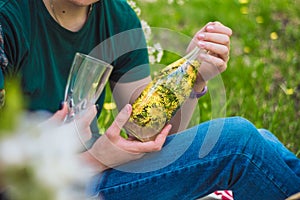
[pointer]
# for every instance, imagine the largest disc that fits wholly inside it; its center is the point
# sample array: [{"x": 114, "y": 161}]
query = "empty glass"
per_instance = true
[{"x": 86, "y": 81}]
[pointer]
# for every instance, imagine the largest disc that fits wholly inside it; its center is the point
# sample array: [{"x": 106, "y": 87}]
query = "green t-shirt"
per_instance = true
[{"x": 40, "y": 52}]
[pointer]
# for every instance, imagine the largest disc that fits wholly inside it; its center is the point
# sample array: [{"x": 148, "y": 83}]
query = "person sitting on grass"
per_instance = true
[{"x": 38, "y": 42}]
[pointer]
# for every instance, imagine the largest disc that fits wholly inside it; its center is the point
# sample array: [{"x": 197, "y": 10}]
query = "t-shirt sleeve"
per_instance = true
[
  {"x": 12, "y": 44},
  {"x": 3, "y": 63},
  {"x": 3, "y": 59},
  {"x": 1, "y": 80},
  {"x": 125, "y": 46},
  {"x": 130, "y": 47},
  {"x": 15, "y": 44}
]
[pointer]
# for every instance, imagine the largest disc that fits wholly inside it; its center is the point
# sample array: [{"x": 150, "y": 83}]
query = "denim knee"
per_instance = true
[{"x": 238, "y": 134}]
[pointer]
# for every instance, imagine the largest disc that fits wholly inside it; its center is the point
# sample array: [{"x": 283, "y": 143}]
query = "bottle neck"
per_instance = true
[{"x": 194, "y": 54}]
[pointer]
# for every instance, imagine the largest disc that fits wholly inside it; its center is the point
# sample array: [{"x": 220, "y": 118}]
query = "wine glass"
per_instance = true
[{"x": 86, "y": 81}]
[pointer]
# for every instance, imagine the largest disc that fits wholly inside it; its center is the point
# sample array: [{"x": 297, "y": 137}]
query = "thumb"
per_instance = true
[
  {"x": 83, "y": 122},
  {"x": 60, "y": 115},
  {"x": 86, "y": 117},
  {"x": 119, "y": 122}
]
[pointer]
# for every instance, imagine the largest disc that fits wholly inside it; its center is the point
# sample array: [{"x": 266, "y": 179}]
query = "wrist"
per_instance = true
[
  {"x": 194, "y": 94},
  {"x": 93, "y": 162}
]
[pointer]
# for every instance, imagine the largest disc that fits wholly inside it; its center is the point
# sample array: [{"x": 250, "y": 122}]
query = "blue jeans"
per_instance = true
[{"x": 222, "y": 154}]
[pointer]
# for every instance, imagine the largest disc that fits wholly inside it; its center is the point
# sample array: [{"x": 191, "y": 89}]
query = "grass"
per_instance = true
[{"x": 262, "y": 81}]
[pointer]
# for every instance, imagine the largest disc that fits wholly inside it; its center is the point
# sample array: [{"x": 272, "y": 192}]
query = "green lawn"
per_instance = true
[{"x": 262, "y": 82}]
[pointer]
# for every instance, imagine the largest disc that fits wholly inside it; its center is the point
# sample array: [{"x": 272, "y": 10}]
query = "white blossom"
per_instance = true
[
  {"x": 52, "y": 154},
  {"x": 160, "y": 52},
  {"x": 155, "y": 52},
  {"x": 147, "y": 30}
]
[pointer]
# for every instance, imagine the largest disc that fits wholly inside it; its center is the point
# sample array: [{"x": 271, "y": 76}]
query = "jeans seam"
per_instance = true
[
  {"x": 252, "y": 161},
  {"x": 178, "y": 169},
  {"x": 156, "y": 175},
  {"x": 283, "y": 190}
]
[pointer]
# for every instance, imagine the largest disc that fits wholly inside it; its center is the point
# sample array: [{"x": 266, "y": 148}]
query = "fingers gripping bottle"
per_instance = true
[{"x": 162, "y": 97}]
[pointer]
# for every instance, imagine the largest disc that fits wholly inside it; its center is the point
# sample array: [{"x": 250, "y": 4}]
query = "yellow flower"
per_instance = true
[
  {"x": 243, "y": 1},
  {"x": 109, "y": 106},
  {"x": 247, "y": 49},
  {"x": 289, "y": 91},
  {"x": 244, "y": 10},
  {"x": 274, "y": 36},
  {"x": 259, "y": 19}
]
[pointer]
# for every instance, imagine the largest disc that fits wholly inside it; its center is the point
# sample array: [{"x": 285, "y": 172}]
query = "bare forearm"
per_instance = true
[
  {"x": 125, "y": 93},
  {"x": 181, "y": 119}
]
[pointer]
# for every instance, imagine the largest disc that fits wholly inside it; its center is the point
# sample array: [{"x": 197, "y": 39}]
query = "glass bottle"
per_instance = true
[{"x": 163, "y": 96}]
